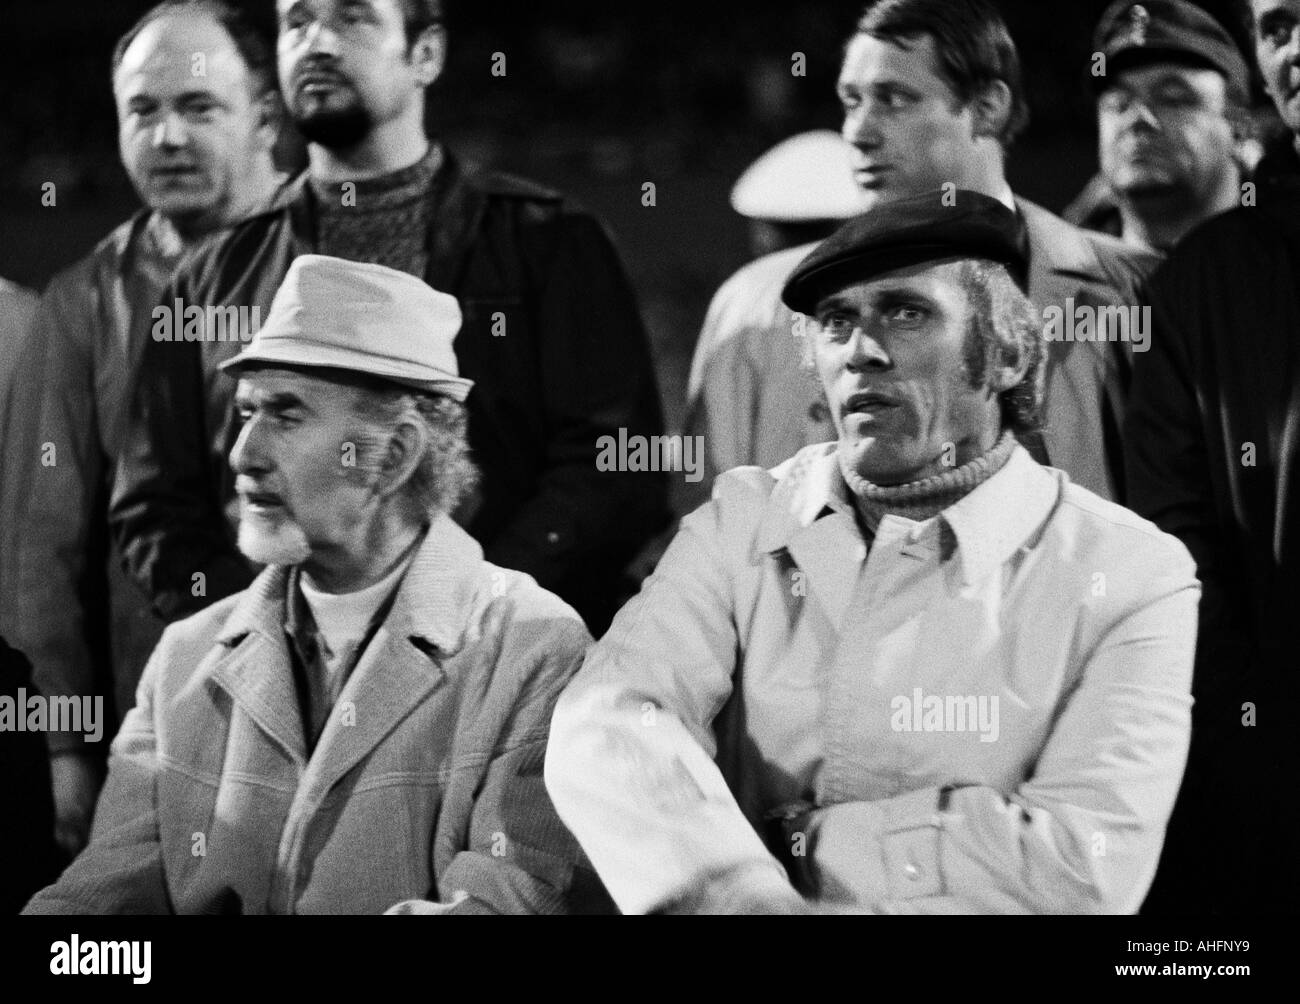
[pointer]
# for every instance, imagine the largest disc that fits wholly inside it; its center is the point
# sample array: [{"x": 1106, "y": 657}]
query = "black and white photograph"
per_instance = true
[{"x": 834, "y": 457}]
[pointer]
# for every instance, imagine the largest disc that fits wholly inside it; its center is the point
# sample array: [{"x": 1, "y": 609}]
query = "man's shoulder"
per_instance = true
[
  {"x": 1118, "y": 540},
  {"x": 743, "y": 496},
  {"x": 763, "y": 278},
  {"x": 1076, "y": 251},
  {"x": 183, "y": 642}
]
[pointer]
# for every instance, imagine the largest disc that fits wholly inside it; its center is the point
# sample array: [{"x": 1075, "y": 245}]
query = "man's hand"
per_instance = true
[{"x": 76, "y": 781}]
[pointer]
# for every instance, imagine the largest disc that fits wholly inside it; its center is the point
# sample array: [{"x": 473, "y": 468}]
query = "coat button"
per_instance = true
[{"x": 552, "y": 538}]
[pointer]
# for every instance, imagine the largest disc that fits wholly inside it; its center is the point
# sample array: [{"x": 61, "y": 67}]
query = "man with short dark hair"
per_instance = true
[
  {"x": 552, "y": 336},
  {"x": 198, "y": 119},
  {"x": 906, "y": 671},
  {"x": 1213, "y": 451},
  {"x": 362, "y": 730},
  {"x": 1172, "y": 112},
  {"x": 932, "y": 97}
]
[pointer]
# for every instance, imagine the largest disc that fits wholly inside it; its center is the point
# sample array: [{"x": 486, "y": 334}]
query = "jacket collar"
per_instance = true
[
  {"x": 433, "y": 602},
  {"x": 1057, "y": 248},
  {"x": 993, "y": 522},
  {"x": 459, "y": 203},
  {"x": 427, "y": 623}
]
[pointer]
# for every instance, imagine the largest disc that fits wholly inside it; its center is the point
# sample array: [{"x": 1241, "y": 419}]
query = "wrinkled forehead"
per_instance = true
[{"x": 183, "y": 51}]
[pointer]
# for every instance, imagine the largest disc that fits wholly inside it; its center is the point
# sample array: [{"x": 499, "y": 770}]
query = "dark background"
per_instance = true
[{"x": 596, "y": 101}]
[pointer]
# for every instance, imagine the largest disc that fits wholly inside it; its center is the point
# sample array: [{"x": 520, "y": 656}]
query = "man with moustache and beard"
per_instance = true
[
  {"x": 362, "y": 730},
  {"x": 198, "y": 149},
  {"x": 551, "y": 336}
]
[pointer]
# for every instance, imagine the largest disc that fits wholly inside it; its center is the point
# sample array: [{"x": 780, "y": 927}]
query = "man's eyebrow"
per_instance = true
[
  {"x": 1275, "y": 18},
  {"x": 834, "y": 303},
  {"x": 275, "y": 402}
]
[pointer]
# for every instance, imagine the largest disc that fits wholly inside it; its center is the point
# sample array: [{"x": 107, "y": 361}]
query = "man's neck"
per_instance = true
[
  {"x": 380, "y": 553},
  {"x": 386, "y": 150}
]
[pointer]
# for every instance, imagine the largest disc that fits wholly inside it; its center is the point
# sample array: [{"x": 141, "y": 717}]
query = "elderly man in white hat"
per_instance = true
[{"x": 362, "y": 729}]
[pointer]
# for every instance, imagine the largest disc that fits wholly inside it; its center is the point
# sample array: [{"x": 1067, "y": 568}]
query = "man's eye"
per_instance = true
[
  {"x": 294, "y": 20},
  {"x": 837, "y": 326},
  {"x": 907, "y": 314},
  {"x": 244, "y": 414},
  {"x": 1278, "y": 33},
  {"x": 201, "y": 110}
]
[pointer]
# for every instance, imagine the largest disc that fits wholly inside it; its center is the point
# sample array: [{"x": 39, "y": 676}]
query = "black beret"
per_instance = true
[
  {"x": 893, "y": 235},
  {"x": 1134, "y": 34}
]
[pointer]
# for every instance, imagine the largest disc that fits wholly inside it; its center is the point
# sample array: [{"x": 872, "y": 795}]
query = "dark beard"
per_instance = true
[{"x": 336, "y": 130}]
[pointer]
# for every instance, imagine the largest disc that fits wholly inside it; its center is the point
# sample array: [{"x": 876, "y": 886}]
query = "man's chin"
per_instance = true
[
  {"x": 335, "y": 130},
  {"x": 282, "y": 543}
]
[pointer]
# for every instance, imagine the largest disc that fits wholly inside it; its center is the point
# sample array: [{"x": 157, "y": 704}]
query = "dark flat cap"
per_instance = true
[
  {"x": 893, "y": 235},
  {"x": 1134, "y": 34}
]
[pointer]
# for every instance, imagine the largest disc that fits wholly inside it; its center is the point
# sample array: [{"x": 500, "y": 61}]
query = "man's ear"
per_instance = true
[
  {"x": 1009, "y": 369},
  {"x": 270, "y": 118},
  {"x": 406, "y": 446},
  {"x": 429, "y": 54},
  {"x": 991, "y": 109}
]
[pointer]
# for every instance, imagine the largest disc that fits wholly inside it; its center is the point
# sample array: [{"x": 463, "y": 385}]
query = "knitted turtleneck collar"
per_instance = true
[{"x": 920, "y": 500}]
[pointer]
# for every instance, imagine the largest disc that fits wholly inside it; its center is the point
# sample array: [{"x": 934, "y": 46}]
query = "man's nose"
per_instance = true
[
  {"x": 321, "y": 39},
  {"x": 248, "y": 455},
  {"x": 866, "y": 353},
  {"x": 859, "y": 128},
  {"x": 170, "y": 132},
  {"x": 1141, "y": 116}
]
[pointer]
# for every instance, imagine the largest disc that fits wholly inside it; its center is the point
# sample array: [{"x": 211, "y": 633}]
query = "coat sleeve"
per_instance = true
[
  {"x": 121, "y": 869},
  {"x": 518, "y": 858},
  {"x": 52, "y": 448},
  {"x": 597, "y": 379},
  {"x": 1083, "y": 834},
  {"x": 165, "y": 510},
  {"x": 631, "y": 761}
]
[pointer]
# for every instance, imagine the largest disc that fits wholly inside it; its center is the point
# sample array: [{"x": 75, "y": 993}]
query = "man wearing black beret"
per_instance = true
[
  {"x": 906, "y": 671},
  {"x": 1172, "y": 123}
]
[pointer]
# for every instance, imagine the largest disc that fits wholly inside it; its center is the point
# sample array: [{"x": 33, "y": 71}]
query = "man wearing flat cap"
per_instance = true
[
  {"x": 907, "y": 671},
  {"x": 362, "y": 729},
  {"x": 1173, "y": 123}
]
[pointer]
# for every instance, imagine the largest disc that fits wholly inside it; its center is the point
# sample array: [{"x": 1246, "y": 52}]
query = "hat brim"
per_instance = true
[{"x": 332, "y": 358}]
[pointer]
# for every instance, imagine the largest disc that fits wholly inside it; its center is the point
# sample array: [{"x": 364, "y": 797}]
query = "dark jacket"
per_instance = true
[
  {"x": 551, "y": 335},
  {"x": 27, "y": 835},
  {"x": 1213, "y": 457},
  {"x": 68, "y": 604}
]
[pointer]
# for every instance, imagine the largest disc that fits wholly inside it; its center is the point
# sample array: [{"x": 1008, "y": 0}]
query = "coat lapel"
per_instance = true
[
  {"x": 255, "y": 668},
  {"x": 404, "y": 662}
]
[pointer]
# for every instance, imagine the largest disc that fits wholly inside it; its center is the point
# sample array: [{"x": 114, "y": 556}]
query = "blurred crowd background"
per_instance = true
[{"x": 596, "y": 100}]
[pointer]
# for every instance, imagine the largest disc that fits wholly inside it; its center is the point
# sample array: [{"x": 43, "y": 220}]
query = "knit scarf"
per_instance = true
[{"x": 920, "y": 500}]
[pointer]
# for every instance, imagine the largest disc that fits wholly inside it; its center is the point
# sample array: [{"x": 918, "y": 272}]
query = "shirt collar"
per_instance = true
[{"x": 993, "y": 522}]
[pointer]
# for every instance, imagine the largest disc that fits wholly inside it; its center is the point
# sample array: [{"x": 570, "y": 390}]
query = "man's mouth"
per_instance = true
[
  {"x": 869, "y": 403},
  {"x": 319, "y": 82},
  {"x": 261, "y": 503},
  {"x": 870, "y": 176}
]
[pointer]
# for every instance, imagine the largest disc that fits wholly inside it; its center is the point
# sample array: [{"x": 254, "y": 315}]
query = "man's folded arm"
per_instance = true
[
  {"x": 166, "y": 511},
  {"x": 121, "y": 870},
  {"x": 1082, "y": 835},
  {"x": 519, "y": 858},
  {"x": 630, "y": 765}
]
